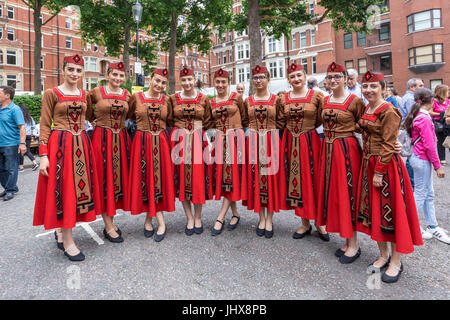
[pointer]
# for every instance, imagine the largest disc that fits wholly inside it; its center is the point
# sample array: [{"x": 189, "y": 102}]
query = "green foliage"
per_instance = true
[
  {"x": 147, "y": 53},
  {"x": 33, "y": 103},
  {"x": 127, "y": 84}
]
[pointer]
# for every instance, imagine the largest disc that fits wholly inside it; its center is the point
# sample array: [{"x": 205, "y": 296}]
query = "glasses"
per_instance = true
[
  {"x": 256, "y": 78},
  {"x": 335, "y": 77}
]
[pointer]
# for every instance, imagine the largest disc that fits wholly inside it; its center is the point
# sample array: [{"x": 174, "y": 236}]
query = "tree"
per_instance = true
[
  {"x": 176, "y": 23},
  {"x": 278, "y": 17},
  {"x": 54, "y": 6}
]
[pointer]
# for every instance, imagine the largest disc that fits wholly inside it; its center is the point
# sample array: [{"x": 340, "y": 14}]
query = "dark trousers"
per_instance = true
[
  {"x": 440, "y": 137},
  {"x": 28, "y": 154},
  {"x": 9, "y": 168},
  {"x": 410, "y": 173}
]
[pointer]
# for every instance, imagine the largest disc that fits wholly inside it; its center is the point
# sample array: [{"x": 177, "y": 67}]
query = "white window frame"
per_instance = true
[
  {"x": 10, "y": 10},
  {"x": 68, "y": 22},
  {"x": 67, "y": 39},
  {"x": 15, "y": 80},
  {"x": 294, "y": 41},
  {"x": 303, "y": 37},
  {"x": 312, "y": 34},
  {"x": 8, "y": 53},
  {"x": 13, "y": 34}
]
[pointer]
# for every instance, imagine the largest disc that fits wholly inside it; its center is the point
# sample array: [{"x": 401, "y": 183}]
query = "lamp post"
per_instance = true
[{"x": 137, "y": 14}]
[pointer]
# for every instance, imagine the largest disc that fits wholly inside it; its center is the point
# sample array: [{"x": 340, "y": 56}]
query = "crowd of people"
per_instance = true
[{"x": 296, "y": 151}]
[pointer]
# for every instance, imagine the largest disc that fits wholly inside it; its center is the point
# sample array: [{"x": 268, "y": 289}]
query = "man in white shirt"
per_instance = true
[{"x": 353, "y": 86}]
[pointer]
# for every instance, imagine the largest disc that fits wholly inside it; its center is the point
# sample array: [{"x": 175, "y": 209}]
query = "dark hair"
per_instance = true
[
  {"x": 26, "y": 113},
  {"x": 421, "y": 96},
  {"x": 383, "y": 84},
  {"x": 312, "y": 83},
  {"x": 440, "y": 91},
  {"x": 394, "y": 92},
  {"x": 8, "y": 90}
]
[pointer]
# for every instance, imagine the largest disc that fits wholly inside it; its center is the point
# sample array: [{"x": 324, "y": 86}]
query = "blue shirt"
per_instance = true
[
  {"x": 407, "y": 103},
  {"x": 11, "y": 117},
  {"x": 357, "y": 91},
  {"x": 392, "y": 100}
]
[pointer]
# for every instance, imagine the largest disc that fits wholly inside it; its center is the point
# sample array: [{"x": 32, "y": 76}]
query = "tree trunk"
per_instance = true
[
  {"x": 37, "y": 46},
  {"x": 254, "y": 21},
  {"x": 126, "y": 50},
  {"x": 172, "y": 51}
]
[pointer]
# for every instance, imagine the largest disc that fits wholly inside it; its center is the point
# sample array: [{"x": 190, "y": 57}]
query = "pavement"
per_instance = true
[{"x": 232, "y": 266}]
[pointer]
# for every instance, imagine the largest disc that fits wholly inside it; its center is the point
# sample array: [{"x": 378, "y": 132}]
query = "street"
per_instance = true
[{"x": 234, "y": 265}]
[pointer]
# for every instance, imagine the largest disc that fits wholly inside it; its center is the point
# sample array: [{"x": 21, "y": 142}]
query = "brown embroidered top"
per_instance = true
[
  {"x": 67, "y": 112},
  {"x": 262, "y": 115},
  {"x": 229, "y": 114},
  {"x": 301, "y": 114},
  {"x": 340, "y": 119},
  {"x": 190, "y": 114},
  {"x": 380, "y": 134},
  {"x": 110, "y": 110},
  {"x": 150, "y": 114}
]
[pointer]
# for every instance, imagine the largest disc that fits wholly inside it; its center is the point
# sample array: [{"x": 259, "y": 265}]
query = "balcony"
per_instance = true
[{"x": 426, "y": 68}]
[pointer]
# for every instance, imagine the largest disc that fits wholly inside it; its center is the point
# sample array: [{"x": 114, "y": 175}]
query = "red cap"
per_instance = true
[
  {"x": 186, "y": 72},
  {"x": 117, "y": 66},
  {"x": 294, "y": 67},
  {"x": 334, "y": 67},
  {"x": 162, "y": 72},
  {"x": 221, "y": 74},
  {"x": 76, "y": 59},
  {"x": 372, "y": 77},
  {"x": 259, "y": 69}
]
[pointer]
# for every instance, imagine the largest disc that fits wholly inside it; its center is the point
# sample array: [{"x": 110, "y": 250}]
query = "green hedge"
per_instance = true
[{"x": 33, "y": 103}]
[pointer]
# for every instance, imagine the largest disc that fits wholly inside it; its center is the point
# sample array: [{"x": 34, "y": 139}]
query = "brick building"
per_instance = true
[{"x": 60, "y": 38}]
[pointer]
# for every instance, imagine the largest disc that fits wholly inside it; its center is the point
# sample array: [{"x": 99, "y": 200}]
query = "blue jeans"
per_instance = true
[
  {"x": 9, "y": 168},
  {"x": 424, "y": 191},
  {"x": 410, "y": 172}
]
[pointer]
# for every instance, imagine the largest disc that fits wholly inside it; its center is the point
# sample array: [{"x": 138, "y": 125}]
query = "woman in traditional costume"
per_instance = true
[
  {"x": 229, "y": 169},
  {"x": 300, "y": 151},
  {"x": 151, "y": 179},
  {"x": 111, "y": 146},
  {"x": 191, "y": 116},
  {"x": 66, "y": 191},
  {"x": 340, "y": 163}
]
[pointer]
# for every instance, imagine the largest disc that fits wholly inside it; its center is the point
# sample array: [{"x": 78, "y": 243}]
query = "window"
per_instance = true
[
  {"x": 273, "y": 70},
  {"x": 349, "y": 64},
  {"x": 311, "y": 8},
  {"x": 313, "y": 37},
  {"x": 272, "y": 44},
  {"x": 424, "y": 20},
  {"x": 241, "y": 74},
  {"x": 91, "y": 64},
  {"x": 88, "y": 46},
  {"x": 303, "y": 39},
  {"x": 384, "y": 32},
  {"x": 240, "y": 49},
  {"x": 10, "y": 13},
  {"x": 304, "y": 63},
  {"x": 361, "y": 39},
  {"x": 314, "y": 65},
  {"x": 385, "y": 62},
  {"x": 247, "y": 51},
  {"x": 95, "y": 47},
  {"x": 69, "y": 42},
  {"x": 1, "y": 10},
  {"x": 68, "y": 23},
  {"x": 11, "y": 80},
  {"x": 294, "y": 41},
  {"x": 434, "y": 83},
  {"x": 425, "y": 54},
  {"x": 248, "y": 73},
  {"x": 42, "y": 84},
  {"x": 219, "y": 56},
  {"x": 224, "y": 55},
  {"x": 348, "y": 41},
  {"x": 1, "y": 33},
  {"x": 11, "y": 34},
  {"x": 42, "y": 62},
  {"x": 362, "y": 66},
  {"x": 1, "y": 62}
]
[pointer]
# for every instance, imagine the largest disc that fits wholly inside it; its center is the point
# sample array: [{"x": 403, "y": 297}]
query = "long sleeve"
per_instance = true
[
  {"x": 245, "y": 118},
  {"x": 90, "y": 115},
  {"x": 208, "y": 121},
  {"x": 359, "y": 110},
  {"x": 320, "y": 103},
  {"x": 390, "y": 123},
  {"x": 242, "y": 110},
  {"x": 281, "y": 115},
  {"x": 170, "y": 115},
  {"x": 48, "y": 105},
  {"x": 426, "y": 131},
  {"x": 132, "y": 108}
]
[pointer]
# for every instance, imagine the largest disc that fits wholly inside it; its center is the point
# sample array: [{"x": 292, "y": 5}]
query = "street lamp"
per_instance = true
[{"x": 137, "y": 14}]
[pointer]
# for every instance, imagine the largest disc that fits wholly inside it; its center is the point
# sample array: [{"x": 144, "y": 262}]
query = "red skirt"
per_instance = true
[
  {"x": 112, "y": 158},
  {"x": 262, "y": 161},
  {"x": 151, "y": 174},
  {"x": 338, "y": 176},
  {"x": 388, "y": 214},
  {"x": 192, "y": 174},
  {"x": 299, "y": 173},
  {"x": 68, "y": 195},
  {"x": 229, "y": 167}
]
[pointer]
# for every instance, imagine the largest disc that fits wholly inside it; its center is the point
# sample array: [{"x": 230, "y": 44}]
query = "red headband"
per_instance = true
[
  {"x": 186, "y": 72},
  {"x": 221, "y": 74},
  {"x": 294, "y": 67},
  {"x": 259, "y": 69},
  {"x": 76, "y": 59},
  {"x": 334, "y": 67},
  {"x": 372, "y": 77},
  {"x": 162, "y": 72},
  {"x": 117, "y": 66}
]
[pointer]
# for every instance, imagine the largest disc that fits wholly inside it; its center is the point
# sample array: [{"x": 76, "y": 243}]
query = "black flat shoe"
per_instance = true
[
  {"x": 297, "y": 235},
  {"x": 159, "y": 237},
  {"x": 233, "y": 226},
  {"x": 60, "y": 245},
  {"x": 372, "y": 269},
  {"x": 260, "y": 232},
  {"x": 198, "y": 230},
  {"x": 79, "y": 257},
  {"x": 389, "y": 279},
  {"x": 215, "y": 232},
  {"x": 148, "y": 233},
  {"x": 339, "y": 253},
  {"x": 119, "y": 232},
  {"x": 347, "y": 260},
  {"x": 119, "y": 239},
  {"x": 324, "y": 237},
  {"x": 189, "y": 232},
  {"x": 268, "y": 234}
]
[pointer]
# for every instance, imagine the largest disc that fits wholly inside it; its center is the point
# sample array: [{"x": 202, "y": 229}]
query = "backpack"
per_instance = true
[{"x": 405, "y": 140}]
